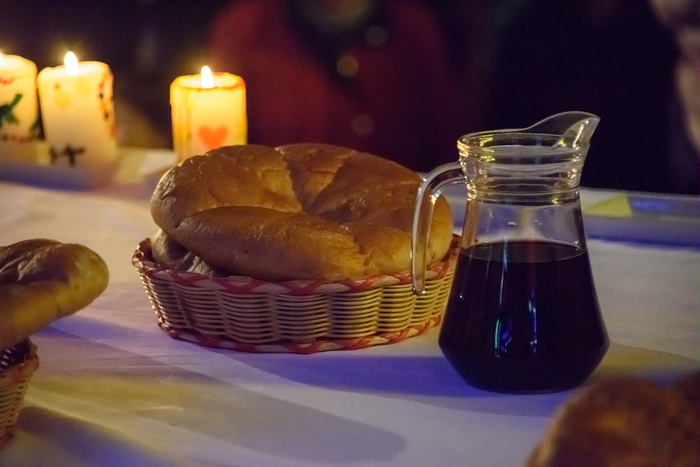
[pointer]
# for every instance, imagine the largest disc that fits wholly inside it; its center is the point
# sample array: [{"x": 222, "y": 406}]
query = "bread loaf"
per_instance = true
[
  {"x": 625, "y": 422},
  {"x": 43, "y": 280},
  {"x": 302, "y": 211}
]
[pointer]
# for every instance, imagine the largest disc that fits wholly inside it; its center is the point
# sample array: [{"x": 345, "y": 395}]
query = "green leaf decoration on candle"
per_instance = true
[{"x": 6, "y": 111}]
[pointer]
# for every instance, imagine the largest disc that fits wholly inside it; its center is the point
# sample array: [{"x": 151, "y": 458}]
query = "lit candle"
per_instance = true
[
  {"x": 19, "y": 109},
  {"x": 78, "y": 116},
  {"x": 208, "y": 111}
]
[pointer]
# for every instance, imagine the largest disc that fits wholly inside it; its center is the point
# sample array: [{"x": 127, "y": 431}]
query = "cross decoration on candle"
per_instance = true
[
  {"x": 208, "y": 111},
  {"x": 78, "y": 115},
  {"x": 19, "y": 109}
]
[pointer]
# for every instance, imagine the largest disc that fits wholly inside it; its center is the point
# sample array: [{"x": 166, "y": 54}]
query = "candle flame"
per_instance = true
[
  {"x": 71, "y": 63},
  {"x": 1, "y": 58},
  {"x": 207, "y": 78}
]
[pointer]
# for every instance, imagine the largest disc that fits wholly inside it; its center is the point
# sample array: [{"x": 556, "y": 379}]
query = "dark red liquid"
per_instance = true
[{"x": 523, "y": 317}]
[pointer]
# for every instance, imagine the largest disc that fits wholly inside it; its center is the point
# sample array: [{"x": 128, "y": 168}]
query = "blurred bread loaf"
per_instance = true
[
  {"x": 43, "y": 280},
  {"x": 301, "y": 211},
  {"x": 625, "y": 422}
]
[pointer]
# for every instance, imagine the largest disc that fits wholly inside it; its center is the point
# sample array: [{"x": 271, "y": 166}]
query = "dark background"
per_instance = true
[{"x": 518, "y": 62}]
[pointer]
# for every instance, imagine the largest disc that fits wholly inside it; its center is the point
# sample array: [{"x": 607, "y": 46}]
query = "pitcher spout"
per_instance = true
[{"x": 575, "y": 129}]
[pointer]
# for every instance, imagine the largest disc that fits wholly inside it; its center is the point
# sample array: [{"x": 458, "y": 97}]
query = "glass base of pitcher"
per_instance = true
[{"x": 525, "y": 376}]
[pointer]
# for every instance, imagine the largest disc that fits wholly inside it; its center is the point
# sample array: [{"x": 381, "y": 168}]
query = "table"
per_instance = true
[{"x": 114, "y": 390}]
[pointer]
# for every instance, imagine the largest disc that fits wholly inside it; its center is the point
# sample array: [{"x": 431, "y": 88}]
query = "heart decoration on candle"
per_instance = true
[
  {"x": 212, "y": 139},
  {"x": 208, "y": 111}
]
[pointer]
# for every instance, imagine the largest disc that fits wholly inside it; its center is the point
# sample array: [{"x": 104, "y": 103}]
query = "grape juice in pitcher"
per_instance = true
[{"x": 522, "y": 315}]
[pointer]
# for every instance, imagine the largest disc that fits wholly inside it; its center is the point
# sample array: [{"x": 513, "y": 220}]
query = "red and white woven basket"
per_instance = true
[
  {"x": 17, "y": 364},
  {"x": 245, "y": 314}
]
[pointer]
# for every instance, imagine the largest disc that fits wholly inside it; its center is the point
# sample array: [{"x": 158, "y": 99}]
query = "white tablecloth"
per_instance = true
[{"x": 114, "y": 390}]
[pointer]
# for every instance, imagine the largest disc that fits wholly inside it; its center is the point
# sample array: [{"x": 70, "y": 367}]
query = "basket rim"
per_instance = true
[
  {"x": 302, "y": 347},
  {"x": 22, "y": 370},
  {"x": 146, "y": 266}
]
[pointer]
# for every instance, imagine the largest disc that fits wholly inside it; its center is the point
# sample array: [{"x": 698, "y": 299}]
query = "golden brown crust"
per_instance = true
[
  {"x": 43, "y": 280},
  {"x": 171, "y": 255},
  {"x": 249, "y": 175},
  {"x": 302, "y": 211},
  {"x": 622, "y": 422}
]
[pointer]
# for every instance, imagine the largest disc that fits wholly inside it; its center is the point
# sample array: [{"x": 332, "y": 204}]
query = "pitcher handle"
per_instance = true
[{"x": 428, "y": 193}]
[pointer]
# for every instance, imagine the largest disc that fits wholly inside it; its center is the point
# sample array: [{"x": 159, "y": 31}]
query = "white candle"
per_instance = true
[
  {"x": 78, "y": 116},
  {"x": 208, "y": 111},
  {"x": 19, "y": 109}
]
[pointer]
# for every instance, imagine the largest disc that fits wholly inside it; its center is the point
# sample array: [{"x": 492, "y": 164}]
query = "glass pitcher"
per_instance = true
[{"x": 522, "y": 315}]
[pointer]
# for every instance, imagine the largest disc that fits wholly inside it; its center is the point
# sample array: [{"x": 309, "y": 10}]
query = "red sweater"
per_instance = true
[{"x": 400, "y": 103}]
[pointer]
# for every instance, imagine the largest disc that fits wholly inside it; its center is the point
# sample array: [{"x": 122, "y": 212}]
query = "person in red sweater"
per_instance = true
[{"x": 372, "y": 75}]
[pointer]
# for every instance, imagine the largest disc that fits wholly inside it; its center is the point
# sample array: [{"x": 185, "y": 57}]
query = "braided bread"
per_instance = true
[{"x": 302, "y": 211}]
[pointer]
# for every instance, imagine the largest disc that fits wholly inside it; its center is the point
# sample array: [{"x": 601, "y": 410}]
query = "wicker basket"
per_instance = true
[
  {"x": 17, "y": 365},
  {"x": 246, "y": 314}
]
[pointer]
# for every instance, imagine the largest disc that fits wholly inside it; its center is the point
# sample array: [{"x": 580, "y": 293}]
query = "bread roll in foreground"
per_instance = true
[
  {"x": 301, "y": 211},
  {"x": 625, "y": 422},
  {"x": 43, "y": 280}
]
